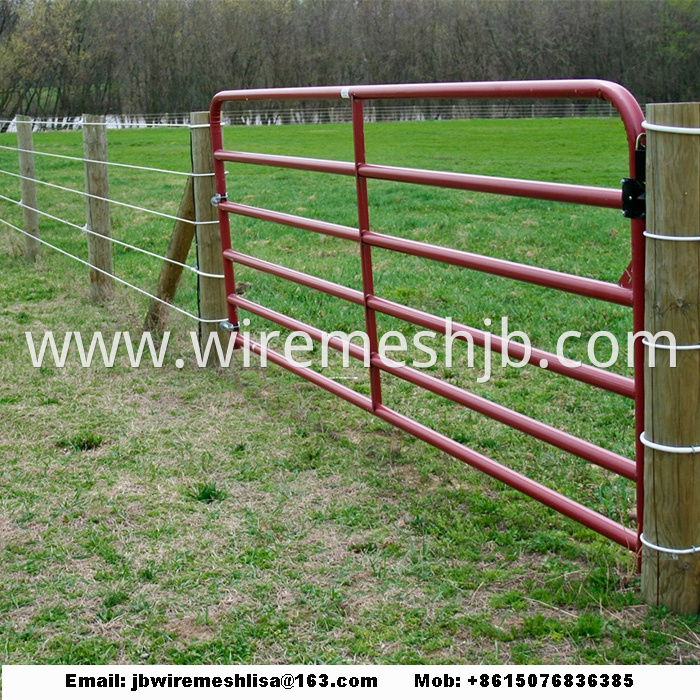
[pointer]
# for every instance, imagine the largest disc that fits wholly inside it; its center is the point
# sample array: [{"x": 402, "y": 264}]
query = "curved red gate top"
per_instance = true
[{"x": 632, "y": 117}]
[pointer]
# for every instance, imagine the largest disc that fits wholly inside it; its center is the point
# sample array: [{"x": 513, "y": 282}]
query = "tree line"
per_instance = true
[{"x": 66, "y": 57}]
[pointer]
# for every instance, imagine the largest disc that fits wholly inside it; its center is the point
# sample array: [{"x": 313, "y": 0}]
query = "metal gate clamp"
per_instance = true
[
  {"x": 633, "y": 198},
  {"x": 218, "y": 198},
  {"x": 667, "y": 550},
  {"x": 664, "y": 237},
  {"x": 229, "y": 327},
  {"x": 672, "y": 449}
]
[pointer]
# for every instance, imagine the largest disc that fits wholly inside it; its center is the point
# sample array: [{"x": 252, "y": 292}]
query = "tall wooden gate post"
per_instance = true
[
  {"x": 212, "y": 292},
  {"x": 97, "y": 209},
  {"x": 25, "y": 142},
  {"x": 671, "y": 555}
]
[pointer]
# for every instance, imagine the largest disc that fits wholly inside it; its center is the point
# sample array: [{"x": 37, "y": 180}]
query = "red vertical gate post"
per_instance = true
[
  {"x": 358, "y": 132},
  {"x": 217, "y": 143}
]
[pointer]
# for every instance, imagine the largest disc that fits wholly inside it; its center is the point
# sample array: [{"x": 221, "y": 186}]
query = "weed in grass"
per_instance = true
[
  {"x": 509, "y": 600},
  {"x": 115, "y": 598},
  {"x": 539, "y": 626},
  {"x": 111, "y": 606},
  {"x": 206, "y": 493},
  {"x": 83, "y": 442},
  {"x": 588, "y": 625},
  {"x": 147, "y": 574}
]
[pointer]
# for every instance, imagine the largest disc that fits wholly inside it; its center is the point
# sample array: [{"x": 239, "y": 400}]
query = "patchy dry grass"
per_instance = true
[
  {"x": 241, "y": 515},
  {"x": 339, "y": 538}
]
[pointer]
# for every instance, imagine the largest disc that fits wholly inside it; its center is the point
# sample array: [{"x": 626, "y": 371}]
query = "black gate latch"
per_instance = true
[{"x": 634, "y": 189}]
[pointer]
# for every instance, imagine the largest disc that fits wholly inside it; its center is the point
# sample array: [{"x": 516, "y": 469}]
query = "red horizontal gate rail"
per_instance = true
[{"x": 633, "y": 296}]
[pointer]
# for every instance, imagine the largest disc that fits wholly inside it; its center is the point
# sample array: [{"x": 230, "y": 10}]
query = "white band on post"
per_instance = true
[
  {"x": 663, "y": 237},
  {"x": 664, "y": 128},
  {"x": 662, "y": 346},
  {"x": 667, "y": 550},
  {"x": 668, "y": 448}
]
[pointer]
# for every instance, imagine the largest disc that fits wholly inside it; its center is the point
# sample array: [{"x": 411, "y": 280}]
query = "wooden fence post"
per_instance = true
[
  {"x": 672, "y": 394},
  {"x": 97, "y": 184},
  {"x": 25, "y": 142},
  {"x": 212, "y": 292},
  {"x": 178, "y": 249}
]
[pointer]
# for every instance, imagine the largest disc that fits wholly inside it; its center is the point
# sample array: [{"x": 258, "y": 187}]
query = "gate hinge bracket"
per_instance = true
[{"x": 217, "y": 199}]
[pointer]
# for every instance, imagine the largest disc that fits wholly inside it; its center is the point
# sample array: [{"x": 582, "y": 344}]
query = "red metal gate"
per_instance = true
[{"x": 631, "y": 295}]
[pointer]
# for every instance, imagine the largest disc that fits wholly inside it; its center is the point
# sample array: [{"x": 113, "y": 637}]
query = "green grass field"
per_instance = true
[{"x": 242, "y": 515}]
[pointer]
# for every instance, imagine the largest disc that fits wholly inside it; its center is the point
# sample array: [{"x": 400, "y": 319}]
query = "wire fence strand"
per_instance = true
[
  {"x": 107, "y": 199},
  {"x": 106, "y": 162},
  {"x": 85, "y": 229},
  {"x": 112, "y": 276}
]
